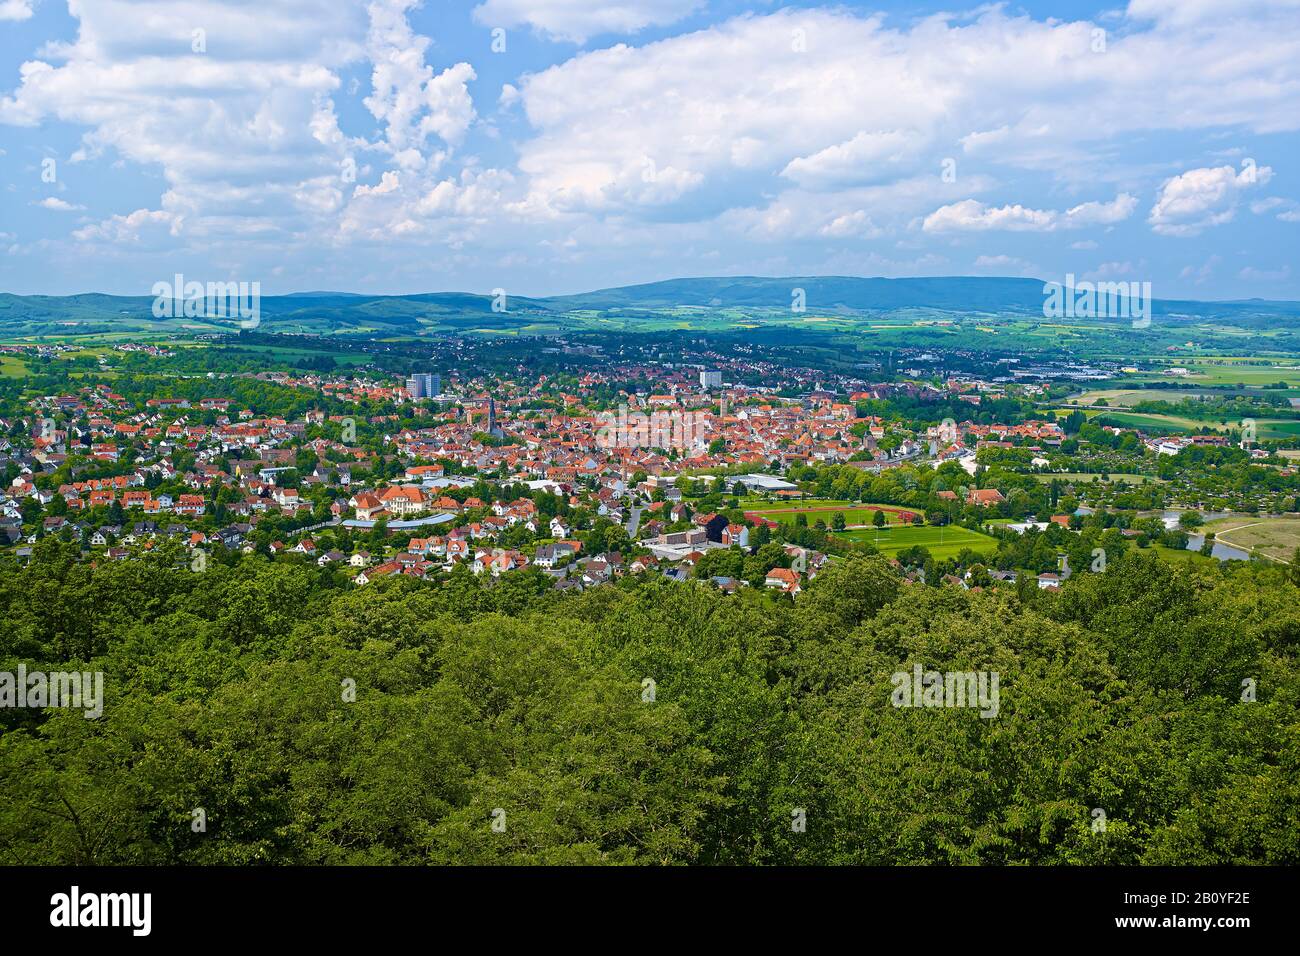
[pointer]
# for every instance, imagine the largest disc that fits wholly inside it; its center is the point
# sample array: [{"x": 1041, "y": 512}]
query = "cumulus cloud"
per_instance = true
[
  {"x": 58, "y": 205},
  {"x": 808, "y": 128},
  {"x": 128, "y": 228},
  {"x": 388, "y": 183},
  {"x": 971, "y": 215},
  {"x": 1200, "y": 198},
  {"x": 864, "y": 158},
  {"x": 827, "y": 99},
  {"x": 15, "y": 9},
  {"x": 576, "y": 20},
  {"x": 408, "y": 97},
  {"x": 235, "y": 104}
]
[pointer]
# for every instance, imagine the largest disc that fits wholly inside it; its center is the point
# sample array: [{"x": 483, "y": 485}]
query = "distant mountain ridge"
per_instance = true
[{"x": 826, "y": 294}]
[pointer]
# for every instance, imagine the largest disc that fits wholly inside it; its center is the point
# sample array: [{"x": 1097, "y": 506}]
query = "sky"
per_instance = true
[{"x": 557, "y": 146}]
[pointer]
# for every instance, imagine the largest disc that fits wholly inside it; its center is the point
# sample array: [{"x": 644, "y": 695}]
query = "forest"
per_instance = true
[{"x": 259, "y": 712}]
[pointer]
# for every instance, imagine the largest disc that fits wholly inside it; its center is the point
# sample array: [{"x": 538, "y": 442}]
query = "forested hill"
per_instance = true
[
  {"x": 648, "y": 722},
  {"x": 637, "y": 304}
]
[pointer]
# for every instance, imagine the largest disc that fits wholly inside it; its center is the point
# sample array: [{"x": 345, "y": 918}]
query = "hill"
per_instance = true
[{"x": 672, "y": 303}]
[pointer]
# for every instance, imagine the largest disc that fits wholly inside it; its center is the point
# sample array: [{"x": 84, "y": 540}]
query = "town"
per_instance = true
[{"x": 686, "y": 471}]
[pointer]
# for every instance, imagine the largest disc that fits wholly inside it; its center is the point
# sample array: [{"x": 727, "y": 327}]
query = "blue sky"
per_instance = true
[{"x": 548, "y": 146}]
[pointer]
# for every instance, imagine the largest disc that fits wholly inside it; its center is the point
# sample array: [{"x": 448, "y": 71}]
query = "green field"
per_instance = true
[
  {"x": 1125, "y": 398},
  {"x": 1236, "y": 371},
  {"x": 754, "y": 503},
  {"x": 814, "y": 509},
  {"x": 1181, "y": 556},
  {"x": 1266, "y": 428},
  {"x": 1275, "y": 538},
  {"x": 11, "y": 366},
  {"x": 942, "y": 543}
]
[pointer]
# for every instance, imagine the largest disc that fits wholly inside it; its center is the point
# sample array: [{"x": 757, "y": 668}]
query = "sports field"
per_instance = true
[
  {"x": 813, "y": 509},
  {"x": 942, "y": 543}
]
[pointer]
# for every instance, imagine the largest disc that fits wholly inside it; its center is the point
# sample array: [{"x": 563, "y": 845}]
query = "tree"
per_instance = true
[
  {"x": 878, "y": 519},
  {"x": 650, "y": 722}
]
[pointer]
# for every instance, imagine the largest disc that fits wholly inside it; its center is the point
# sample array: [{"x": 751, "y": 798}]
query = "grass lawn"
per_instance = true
[
  {"x": 942, "y": 543},
  {"x": 855, "y": 513},
  {"x": 1275, "y": 538},
  {"x": 1180, "y": 556},
  {"x": 12, "y": 367},
  {"x": 753, "y": 503}
]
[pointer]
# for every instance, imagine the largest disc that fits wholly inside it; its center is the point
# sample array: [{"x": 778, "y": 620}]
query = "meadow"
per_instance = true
[{"x": 1275, "y": 538}]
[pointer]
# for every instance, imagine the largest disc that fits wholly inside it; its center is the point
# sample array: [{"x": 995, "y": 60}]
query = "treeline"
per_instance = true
[{"x": 268, "y": 713}]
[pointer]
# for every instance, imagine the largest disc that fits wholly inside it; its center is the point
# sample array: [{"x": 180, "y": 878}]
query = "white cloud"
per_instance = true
[
  {"x": 408, "y": 97},
  {"x": 810, "y": 131},
  {"x": 246, "y": 134},
  {"x": 388, "y": 183},
  {"x": 867, "y": 157},
  {"x": 1251, "y": 274},
  {"x": 576, "y": 20},
  {"x": 971, "y": 215},
  {"x": 1200, "y": 198},
  {"x": 15, "y": 9},
  {"x": 117, "y": 229},
  {"x": 1188, "y": 12},
  {"x": 1102, "y": 213},
  {"x": 856, "y": 224},
  {"x": 58, "y": 205},
  {"x": 1111, "y": 270},
  {"x": 725, "y": 106}
]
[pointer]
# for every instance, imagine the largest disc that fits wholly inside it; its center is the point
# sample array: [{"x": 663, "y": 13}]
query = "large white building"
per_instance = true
[{"x": 424, "y": 385}]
